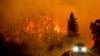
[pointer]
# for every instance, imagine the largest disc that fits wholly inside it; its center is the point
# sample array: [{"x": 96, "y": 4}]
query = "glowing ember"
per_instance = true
[
  {"x": 57, "y": 29},
  {"x": 29, "y": 26}
]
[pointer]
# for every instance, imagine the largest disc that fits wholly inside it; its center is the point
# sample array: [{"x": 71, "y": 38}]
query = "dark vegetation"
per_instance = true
[
  {"x": 11, "y": 48},
  {"x": 95, "y": 30}
]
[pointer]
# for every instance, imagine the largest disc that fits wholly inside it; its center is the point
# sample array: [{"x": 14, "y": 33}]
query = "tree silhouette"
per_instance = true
[
  {"x": 72, "y": 27},
  {"x": 95, "y": 30}
]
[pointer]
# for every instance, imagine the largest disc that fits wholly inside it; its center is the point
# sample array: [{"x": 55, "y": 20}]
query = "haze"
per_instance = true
[{"x": 13, "y": 12}]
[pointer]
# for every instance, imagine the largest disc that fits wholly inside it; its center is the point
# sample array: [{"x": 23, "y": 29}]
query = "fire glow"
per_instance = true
[
  {"x": 38, "y": 28},
  {"x": 57, "y": 28}
]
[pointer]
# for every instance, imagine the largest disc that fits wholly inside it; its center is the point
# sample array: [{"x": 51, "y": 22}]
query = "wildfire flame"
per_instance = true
[
  {"x": 36, "y": 30},
  {"x": 57, "y": 28}
]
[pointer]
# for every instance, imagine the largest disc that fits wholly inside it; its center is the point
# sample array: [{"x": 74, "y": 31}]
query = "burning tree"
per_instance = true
[
  {"x": 51, "y": 32},
  {"x": 39, "y": 34}
]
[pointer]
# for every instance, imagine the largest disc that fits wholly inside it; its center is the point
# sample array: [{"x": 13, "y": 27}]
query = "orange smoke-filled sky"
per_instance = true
[{"x": 13, "y": 12}]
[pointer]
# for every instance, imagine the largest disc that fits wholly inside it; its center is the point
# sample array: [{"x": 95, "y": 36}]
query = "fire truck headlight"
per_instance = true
[
  {"x": 75, "y": 49},
  {"x": 84, "y": 49}
]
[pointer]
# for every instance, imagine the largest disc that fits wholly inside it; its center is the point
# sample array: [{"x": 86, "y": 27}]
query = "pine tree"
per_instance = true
[{"x": 72, "y": 27}]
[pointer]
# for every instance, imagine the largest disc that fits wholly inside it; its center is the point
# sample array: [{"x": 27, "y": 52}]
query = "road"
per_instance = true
[
  {"x": 89, "y": 53},
  {"x": 86, "y": 54}
]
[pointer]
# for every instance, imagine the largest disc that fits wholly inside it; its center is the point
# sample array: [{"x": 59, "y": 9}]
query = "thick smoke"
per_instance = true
[{"x": 14, "y": 11}]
